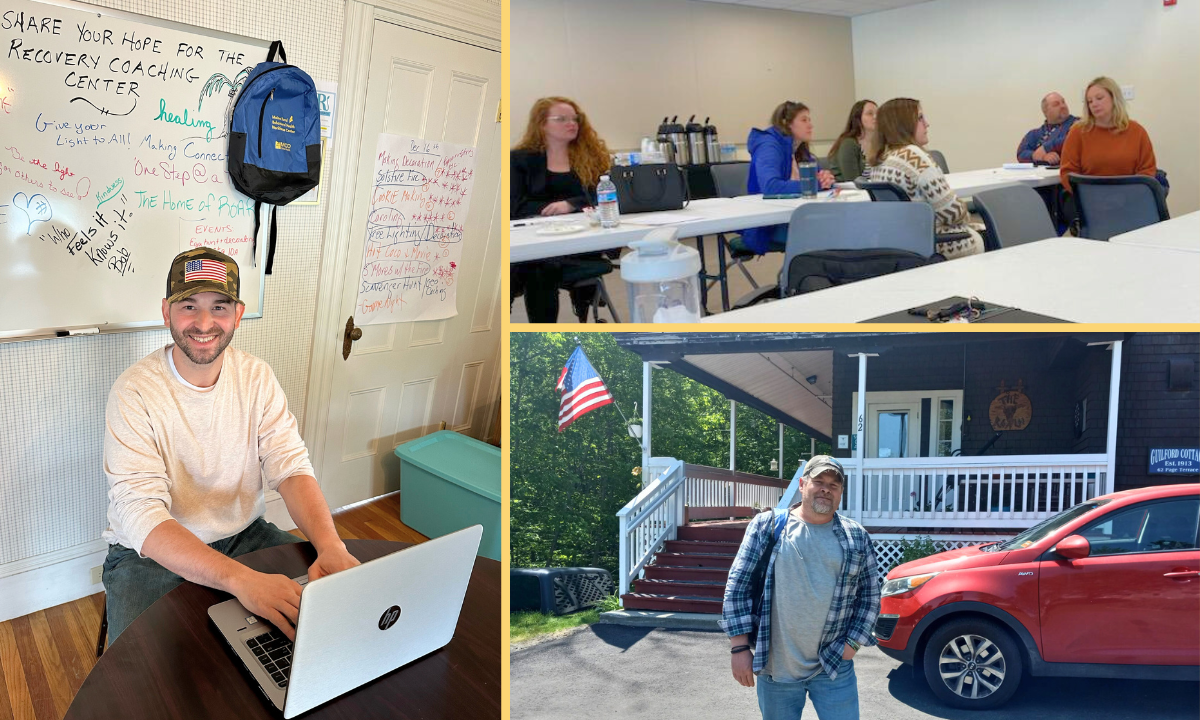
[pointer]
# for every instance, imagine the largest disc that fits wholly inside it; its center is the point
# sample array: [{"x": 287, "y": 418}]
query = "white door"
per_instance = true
[
  {"x": 894, "y": 429},
  {"x": 403, "y": 379}
]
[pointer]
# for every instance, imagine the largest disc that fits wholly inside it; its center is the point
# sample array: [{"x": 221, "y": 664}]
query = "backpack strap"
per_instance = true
[
  {"x": 271, "y": 243},
  {"x": 277, "y": 45}
]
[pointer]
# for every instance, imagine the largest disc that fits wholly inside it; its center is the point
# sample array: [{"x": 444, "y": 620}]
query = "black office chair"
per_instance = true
[
  {"x": 586, "y": 272},
  {"x": 1013, "y": 215},
  {"x": 730, "y": 180},
  {"x": 1109, "y": 206},
  {"x": 836, "y": 243}
]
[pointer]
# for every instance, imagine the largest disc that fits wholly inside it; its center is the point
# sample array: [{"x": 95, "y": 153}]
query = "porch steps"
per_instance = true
[
  {"x": 688, "y": 575},
  {"x": 701, "y": 546},
  {"x": 679, "y": 588}
]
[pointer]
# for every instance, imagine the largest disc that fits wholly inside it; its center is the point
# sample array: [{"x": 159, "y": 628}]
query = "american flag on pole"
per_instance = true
[
  {"x": 582, "y": 390},
  {"x": 205, "y": 270}
]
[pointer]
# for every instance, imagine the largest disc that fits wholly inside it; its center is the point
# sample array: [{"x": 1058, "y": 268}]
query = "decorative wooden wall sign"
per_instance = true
[{"x": 1011, "y": 410}]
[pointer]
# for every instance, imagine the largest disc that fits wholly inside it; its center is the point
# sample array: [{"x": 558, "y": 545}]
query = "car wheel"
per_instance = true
[{"x": 973, "y": 664}]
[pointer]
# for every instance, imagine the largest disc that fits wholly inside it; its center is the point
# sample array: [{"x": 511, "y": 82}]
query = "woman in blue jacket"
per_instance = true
[{"x": 774, "y": 153}]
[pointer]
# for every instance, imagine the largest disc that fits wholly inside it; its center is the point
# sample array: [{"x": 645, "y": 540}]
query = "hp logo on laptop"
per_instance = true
[{"x": 389, "y": 617}]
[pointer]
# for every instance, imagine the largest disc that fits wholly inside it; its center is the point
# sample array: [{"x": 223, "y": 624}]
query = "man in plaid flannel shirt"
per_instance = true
[{"x": 825, "y": 609}]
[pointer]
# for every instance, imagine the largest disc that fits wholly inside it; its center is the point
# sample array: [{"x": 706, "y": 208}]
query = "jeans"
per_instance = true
[
  {"x": 132, "y": 583},
  {"x": 833, "y": 699}
]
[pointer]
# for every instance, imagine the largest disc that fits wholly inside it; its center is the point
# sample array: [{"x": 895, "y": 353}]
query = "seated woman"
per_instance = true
[
  {"x": 554, "y": 171},
  {"x": 899, "y": 157},
  {"x": 848, "y": 156},
  {"x": 774, "y": 154},
  {"x": 1106, "y": 141}
]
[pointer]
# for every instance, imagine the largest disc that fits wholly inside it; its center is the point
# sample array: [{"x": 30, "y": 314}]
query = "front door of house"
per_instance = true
[{"x": 894, "y": 429}]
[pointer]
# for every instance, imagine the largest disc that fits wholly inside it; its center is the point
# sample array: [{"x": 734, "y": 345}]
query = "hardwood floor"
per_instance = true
[{"x": 44, "y": 657}]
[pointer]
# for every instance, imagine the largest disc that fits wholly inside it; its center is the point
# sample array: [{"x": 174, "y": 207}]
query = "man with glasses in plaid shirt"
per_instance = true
[{"x": 820, "y": 599}]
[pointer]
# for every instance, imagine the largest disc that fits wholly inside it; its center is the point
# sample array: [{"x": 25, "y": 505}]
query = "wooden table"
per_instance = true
[{"x": 172, "y": 663}]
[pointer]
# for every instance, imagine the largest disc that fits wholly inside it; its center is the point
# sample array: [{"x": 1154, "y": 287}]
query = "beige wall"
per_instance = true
[
  {"x": 981, "y": 67},
  {"x": 630, "y": 62}
]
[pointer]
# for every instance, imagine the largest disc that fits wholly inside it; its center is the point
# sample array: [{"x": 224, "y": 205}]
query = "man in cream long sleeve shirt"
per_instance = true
[{"x": 195, "y": 434}]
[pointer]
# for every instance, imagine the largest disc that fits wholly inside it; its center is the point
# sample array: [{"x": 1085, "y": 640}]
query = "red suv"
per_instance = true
[{"x": 1109, "y": 588}]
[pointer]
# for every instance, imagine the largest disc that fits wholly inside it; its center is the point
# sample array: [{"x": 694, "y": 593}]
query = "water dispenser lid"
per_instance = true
[{"x": 658, "y": 257}]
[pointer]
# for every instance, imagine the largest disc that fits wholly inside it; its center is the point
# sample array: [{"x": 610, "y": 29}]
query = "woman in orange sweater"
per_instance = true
[{"x": 1106, "y": 141}]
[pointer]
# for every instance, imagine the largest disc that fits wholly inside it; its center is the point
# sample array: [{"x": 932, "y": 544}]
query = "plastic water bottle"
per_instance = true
[{"x": 606, "y": 198}]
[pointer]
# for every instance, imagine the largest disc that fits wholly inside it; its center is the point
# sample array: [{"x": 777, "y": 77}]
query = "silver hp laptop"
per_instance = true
[{"x": 357, "y": 624}]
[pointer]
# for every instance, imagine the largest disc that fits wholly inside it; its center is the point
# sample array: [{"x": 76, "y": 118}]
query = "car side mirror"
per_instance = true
[{"x": 1073, "y": 547}]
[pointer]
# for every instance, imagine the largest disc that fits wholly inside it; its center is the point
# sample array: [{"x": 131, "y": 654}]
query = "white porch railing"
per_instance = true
[
  {"x": 998, "y": 491},
  {"x": 707, "y": 487},
  {"x": 650, "y": 519}
]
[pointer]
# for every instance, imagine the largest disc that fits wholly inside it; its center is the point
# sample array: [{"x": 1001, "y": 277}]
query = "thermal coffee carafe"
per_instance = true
[
  {"x": 710, "y": 140},
  {"x": 696, "y": 142},
  {"x": 673, "y": 139}
]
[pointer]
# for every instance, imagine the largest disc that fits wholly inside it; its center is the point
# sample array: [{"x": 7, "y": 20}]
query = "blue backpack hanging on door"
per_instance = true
[{"x": 275, "y": 138}]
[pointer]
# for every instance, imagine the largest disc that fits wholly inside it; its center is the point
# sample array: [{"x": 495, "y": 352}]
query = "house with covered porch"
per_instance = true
[{"x": 961, "y": 437}]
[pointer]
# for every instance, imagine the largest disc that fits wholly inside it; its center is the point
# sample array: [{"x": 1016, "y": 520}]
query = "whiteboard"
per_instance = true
[{"x": 113, "y": 133}]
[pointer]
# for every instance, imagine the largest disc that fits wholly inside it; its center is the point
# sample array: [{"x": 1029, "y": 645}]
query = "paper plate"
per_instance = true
[{"x": 561, "y": 229}]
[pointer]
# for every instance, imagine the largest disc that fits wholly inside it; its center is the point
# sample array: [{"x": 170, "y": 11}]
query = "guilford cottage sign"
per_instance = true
[{"x": 1174, "y": 461}]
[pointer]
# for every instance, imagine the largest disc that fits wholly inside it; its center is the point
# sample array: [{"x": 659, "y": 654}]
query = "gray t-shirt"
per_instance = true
[{"x": 807, "y": 569}]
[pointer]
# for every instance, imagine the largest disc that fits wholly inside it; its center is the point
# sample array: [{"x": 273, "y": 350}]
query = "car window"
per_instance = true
[
  {"x": 1152, "y": 527},
  {"x": 1047, "y": 526}
]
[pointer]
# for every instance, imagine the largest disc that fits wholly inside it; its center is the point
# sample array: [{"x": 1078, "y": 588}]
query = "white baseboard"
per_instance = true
[{"x": 45, "y": 587}]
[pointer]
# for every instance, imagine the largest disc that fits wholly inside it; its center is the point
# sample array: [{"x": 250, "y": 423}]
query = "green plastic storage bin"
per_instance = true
[{"x": 449, "y": 481}]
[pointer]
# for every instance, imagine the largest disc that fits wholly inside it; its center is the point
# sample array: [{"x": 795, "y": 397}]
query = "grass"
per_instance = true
[{"x": 526, "y": 625}]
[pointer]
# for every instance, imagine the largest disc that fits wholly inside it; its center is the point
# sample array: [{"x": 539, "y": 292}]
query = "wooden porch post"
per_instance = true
[
  {"x": 860, "y": 434},
  {"x": 1114, "y": 395},
  {"x": 646, "y": 368},
  {"x": 780, "y": 451},
  {"x": 733, "y": 435}
]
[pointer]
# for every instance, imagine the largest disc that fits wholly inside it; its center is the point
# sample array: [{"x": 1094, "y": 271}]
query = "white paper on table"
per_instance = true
[
  {"x": 668, "y": 217},
  {"x": 415, "y": 230}
]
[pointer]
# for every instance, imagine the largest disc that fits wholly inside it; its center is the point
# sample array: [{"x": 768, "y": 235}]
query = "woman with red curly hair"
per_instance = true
[{"x": 554, "y": 171}]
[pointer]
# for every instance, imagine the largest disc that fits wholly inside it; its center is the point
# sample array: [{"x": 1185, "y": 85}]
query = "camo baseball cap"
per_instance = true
[
  {"x": 203, "y": 270},
  {"x": 820, "y": 463}
]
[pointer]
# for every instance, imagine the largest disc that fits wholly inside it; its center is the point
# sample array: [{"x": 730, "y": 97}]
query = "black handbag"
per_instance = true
[{"x": 649, "y": 188}]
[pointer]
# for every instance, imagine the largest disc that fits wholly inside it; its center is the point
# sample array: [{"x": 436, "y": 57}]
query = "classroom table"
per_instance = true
[
  {"x": 1066, "y": 278},
  {"x": 718, "y": 215},
  {"x": 172, "y": 663},
  {"x": 1181, "y": 233},
  {"x": 966, "y": 184}
]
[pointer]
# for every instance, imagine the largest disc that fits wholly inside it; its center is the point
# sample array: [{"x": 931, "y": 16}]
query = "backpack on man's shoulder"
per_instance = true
[{"x": 275, "y": 138}]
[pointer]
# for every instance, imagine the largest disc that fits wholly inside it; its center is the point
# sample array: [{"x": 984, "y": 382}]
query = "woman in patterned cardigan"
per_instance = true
[{"x": 899, "y": 157}]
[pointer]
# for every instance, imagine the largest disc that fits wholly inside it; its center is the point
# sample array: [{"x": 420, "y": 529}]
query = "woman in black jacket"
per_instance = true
[{"x": 554, "y": 171}]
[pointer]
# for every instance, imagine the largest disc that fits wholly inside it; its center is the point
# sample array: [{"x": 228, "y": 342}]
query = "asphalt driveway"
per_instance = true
[{"x": 614, "y": 671}]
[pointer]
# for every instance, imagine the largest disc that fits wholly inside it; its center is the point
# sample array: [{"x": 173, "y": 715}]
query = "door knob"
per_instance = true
[{"x": 352, "y": 334}]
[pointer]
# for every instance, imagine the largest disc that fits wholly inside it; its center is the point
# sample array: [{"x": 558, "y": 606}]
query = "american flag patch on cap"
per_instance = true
[{"x": 205, "y": 270}]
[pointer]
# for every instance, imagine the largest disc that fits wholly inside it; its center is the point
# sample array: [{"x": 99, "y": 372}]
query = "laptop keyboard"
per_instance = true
[
  {"x": 274, "y": 650},
  {"x": 274, "y": 653}
]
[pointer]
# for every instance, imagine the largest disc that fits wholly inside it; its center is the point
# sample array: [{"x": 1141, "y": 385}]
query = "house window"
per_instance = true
[{"x": 945, "y": 428}]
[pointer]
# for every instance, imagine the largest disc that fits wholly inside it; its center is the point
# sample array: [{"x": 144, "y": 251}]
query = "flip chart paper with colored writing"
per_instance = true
[
  {"x": 413, "y": 251},
  {"x": 114, "y": 134}
]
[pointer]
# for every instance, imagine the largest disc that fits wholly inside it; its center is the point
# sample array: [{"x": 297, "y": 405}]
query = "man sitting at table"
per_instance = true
[
  {"x": 1043, "y": 145},
  {"x": 195, "y": 434}
]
